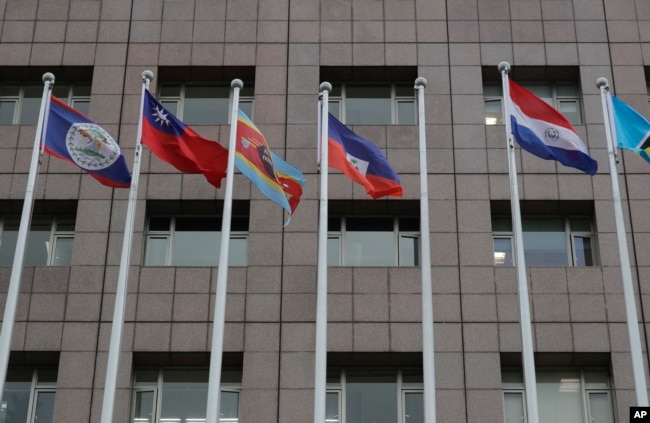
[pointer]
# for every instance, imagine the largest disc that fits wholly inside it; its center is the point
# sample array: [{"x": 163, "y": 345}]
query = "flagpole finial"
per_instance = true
[
  {"x": 147, "y": 76},
  {"x": 602, "y": 82},
  {"x": 48, "y": 77},
  {"x": 420, "y": 82},
  {"x": 325, "y": 86},
  {"x": 237, "y": 83},
  {"x": 504, "y": 67}
]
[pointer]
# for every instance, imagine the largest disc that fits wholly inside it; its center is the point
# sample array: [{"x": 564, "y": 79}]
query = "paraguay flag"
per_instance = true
[
  {"x": 177, "y": 144},
  {"x": 278, "y": 180},
  {"x": 361, "y": 161},
  {"x": 73, "y": 137},
  {"x": 632, "y": 129},
  {"x": 544, "y": 132}
]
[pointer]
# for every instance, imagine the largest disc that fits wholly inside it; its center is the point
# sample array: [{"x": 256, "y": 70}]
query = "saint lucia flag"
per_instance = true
[
  {"x": 544, "y": 132},
  {"x": 632, "y": 129}
]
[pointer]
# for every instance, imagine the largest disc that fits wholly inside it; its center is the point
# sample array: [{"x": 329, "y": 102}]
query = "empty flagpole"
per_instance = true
[
  {"x": 428, "y": 363},
  {"x": 320, "y": 376},
  {"x": 638, "y": 370},
  {"x": 216, "y": 355},
  {"x": 528, "y": 357},
  {"x": 9, "y": 318},
  {"x": 114, "y": 349}
]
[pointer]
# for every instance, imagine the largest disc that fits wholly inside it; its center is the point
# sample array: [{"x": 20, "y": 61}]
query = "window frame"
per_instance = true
[
  {"x": 585, "y": 391},
  {"x": 395, "y": 99},
  {"x": 36, "y": 387},
  {"x": 169, "y": 237},
  {"x": 158, "y": 389},
  {"x": 557, "y": 99},
  {"x": 402, "y": 388},
  {"x": 180, "y": 98},
  {"x": 398, "y": 235},
  {"x": 569, "y": 235},
  {"x": 19, "y": 99},
  {"x": 56, "y": 235}
]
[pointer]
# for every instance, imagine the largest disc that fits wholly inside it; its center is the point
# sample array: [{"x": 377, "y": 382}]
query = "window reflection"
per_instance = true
[
  {"x": 49, "y": 241},
  {"x": 28, "y": 395},
  {"x": 204, "y": 103},
  {"x": 194, "y": 241},
  {"x": 373, "y": 241},
  {"x": 180, "y": 395},
  {"x": 548, "y": 241},
  {"x": 375, "y": 395}
]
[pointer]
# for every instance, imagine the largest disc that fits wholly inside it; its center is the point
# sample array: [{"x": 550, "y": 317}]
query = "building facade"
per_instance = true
[{"x": 371, "y": 51}]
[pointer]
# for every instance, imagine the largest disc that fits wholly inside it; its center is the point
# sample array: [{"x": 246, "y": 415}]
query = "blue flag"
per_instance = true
[
  {"x": 73, "y": 137},
  {"x": 632, "y": 129}
]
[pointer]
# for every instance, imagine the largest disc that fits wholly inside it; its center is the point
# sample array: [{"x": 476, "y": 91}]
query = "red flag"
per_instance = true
[{"x": 177, "y": 144}]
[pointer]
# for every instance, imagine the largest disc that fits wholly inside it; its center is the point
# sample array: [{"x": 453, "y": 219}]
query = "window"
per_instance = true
[
  {"x": 49, "y": 242},
  {"x": 565, "y": 97},
  {"x": 373, "y": 241},
  {"x": 374, "y": 396},
  {"x": 194, "y": 241},
  {"x": 164, "y": 395},
  {"x": 372, "y": 95},
  {"x": 28, "y": 395},
  {"x": 373, "y": 104},
  {"x": 21, "y": 103},
  {"x": 548, "y": 241},
  {"x": 576, "y": 395},
  {"x": 203, "y": 103}
]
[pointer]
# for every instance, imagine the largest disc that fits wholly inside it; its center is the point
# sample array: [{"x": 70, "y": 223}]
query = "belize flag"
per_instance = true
[
  {"x": 544, "y": 132},
  {"x": 361, "y": 160},
  {"x": 177, "y": 144},
  {"x": 279, "y": 181},
  {"x": 73, "y": 137},
  {"x": 632, "y": 129}
]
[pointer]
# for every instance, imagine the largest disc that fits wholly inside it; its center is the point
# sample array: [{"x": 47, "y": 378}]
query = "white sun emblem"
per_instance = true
[{"x": 161, "y": 116}]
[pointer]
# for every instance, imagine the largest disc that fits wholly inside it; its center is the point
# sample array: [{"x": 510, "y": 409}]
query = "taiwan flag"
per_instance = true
[
  {"x": 544, "y": 132},
  {"x": 177, "y": 144},
  {"x": 73, "y": 137},
  {"x": 361, "y": 161}
]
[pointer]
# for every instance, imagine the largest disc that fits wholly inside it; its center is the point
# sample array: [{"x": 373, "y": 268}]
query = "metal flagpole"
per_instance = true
[
  {"x": 117, "y": 327},
  {"x": 320, "y": 376},
  {"x": 638, "y": 370},
  {"x": 214, "y": 385},
  {"x": 528, "y": 357},
  {"x": 23, "y": 231},
  {"x": 428, "y": 364}
]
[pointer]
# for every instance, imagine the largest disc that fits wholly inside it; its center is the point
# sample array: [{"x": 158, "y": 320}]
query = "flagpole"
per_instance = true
[
  {"x": 428, "y": 363},
  {"x": 112, "y": 366},
  {"x": 528, "y": 356},
  {"x": 638, "y": 370},
  {"x": 9, "y": 318},
  {"x": 214, "y": 385},
  {"x": 320, "y": 376}
]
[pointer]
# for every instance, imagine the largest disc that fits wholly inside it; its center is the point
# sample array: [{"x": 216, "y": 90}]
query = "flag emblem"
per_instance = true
[
  {"x": 91, "y": 147},
  {"x": 358, "y": 164},
  {"x": 552, "y": 134},
  {"x": 160, "y": 116}
]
